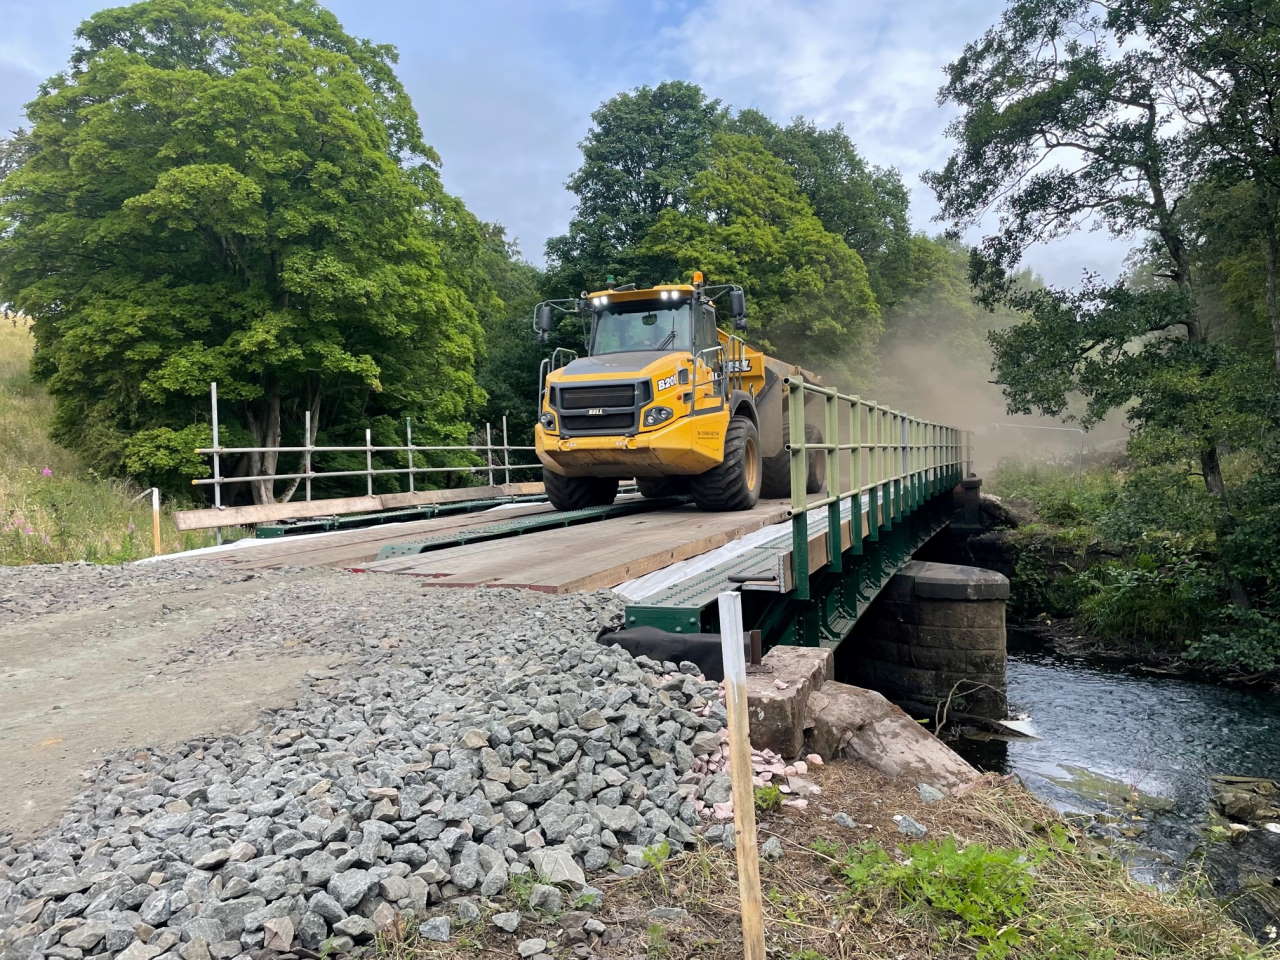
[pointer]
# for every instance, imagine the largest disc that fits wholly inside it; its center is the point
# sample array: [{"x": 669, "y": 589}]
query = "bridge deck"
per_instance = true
[
  {"x": 588, "y": 557},
  {"x": 592, "y": 556}
]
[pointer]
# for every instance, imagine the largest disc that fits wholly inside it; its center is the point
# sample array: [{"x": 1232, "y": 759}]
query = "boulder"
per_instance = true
[{"x": 852, "y": 721}]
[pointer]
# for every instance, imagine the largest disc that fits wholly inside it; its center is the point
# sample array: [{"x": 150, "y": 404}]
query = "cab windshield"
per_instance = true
[{"x": 641, "y": 325}]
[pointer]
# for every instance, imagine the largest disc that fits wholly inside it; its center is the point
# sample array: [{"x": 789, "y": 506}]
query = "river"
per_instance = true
[{"x": 1136, "y": 753}]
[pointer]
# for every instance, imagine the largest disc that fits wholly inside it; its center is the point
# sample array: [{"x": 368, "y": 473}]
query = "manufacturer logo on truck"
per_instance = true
[
  {"x": 595, "y": 411},
  {"x": 667, "y": 382},
  {"x": 738, "y": 366}
]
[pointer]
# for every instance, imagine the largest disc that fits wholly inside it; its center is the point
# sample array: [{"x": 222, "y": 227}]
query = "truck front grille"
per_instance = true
[
  {"x": 599, "y": 423},
  {"x": 600, "y": 409},
  {"x": 585, "y": 398}
]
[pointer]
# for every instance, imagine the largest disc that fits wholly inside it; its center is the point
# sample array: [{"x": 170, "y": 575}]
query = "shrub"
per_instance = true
[
  {"x": 1240, "y": 641},
  {"x": 985, "y": 889},
  {"x": 1158, "y": 607}
]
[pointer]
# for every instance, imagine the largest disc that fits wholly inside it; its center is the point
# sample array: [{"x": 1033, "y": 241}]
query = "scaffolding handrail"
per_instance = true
[
  {"x": 896, "y": 461},
  {"x": 497, "y": 457}
]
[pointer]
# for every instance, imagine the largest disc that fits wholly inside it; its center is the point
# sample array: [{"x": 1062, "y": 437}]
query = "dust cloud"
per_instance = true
[{"x": 938, "y": 382}]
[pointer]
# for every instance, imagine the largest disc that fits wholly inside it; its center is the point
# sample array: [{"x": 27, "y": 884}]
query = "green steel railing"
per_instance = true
[{"x": 894, "y": 460}]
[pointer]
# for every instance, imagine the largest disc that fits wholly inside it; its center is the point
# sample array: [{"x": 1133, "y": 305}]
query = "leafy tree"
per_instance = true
[
  {"x": 1227, "y": 90},
  {"x": 14, "y": 151},
  {"x": 638, "y": 159},
  {"x": 746, "y": 221},
  {"x": 1059, "y": 126},
  {"x": 509, "y": 371},
  {"x": 865, "y": 206},
  {"x": 234, "y": 190}
]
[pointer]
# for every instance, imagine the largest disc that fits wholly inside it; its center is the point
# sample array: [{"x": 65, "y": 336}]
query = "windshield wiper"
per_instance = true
[{"x": 667, "y": 340}]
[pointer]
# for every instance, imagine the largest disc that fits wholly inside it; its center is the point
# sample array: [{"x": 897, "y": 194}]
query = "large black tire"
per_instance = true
[
  {"x": 577, "y": 493},
  {"x": 734, "y": 483},
  {"x": 777, "y": 470},
  {"x": 655, "y": 488}
]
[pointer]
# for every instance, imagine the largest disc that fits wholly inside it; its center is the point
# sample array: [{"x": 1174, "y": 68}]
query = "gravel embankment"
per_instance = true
[{"x": 468, "y": 736}]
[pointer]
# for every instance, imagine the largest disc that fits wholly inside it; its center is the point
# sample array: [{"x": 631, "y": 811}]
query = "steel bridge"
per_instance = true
[{"x": 806, "y": 567}]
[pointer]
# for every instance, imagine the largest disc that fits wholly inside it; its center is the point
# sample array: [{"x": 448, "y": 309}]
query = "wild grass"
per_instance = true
[
  {"x": 52, "y": 508},
  {"x": 999, "y": 876}
]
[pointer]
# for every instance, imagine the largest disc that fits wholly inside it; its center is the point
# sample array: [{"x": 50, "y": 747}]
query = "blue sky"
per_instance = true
[{"x": 505, "y": 89}]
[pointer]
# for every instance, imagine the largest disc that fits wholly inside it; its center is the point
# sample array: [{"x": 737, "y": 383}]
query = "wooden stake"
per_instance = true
[
  {"x": 155, "y": 521},
  {"x": 744, "y": 801}
]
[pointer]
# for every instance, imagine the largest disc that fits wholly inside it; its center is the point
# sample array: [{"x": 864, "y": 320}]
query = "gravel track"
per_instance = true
[{"x": 442, "y": 741}]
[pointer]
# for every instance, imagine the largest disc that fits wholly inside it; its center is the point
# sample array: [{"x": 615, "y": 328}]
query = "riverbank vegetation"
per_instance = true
[
  {"x": 54, "y": 509},
  {"x": 1131, "y": 557},
  {"x": 991, "y": 879}
]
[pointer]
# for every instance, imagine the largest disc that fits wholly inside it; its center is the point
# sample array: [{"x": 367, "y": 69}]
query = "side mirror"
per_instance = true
[
  {"x": 544, "y": 320},
  {"x": 738, "y": 309}
]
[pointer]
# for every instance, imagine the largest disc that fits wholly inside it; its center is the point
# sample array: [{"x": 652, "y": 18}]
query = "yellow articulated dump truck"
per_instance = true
[{"x": 667, "y": 397}]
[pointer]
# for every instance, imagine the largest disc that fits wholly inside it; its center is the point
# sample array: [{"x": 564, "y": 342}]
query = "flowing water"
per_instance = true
[{"x": 1137, "y": 753}]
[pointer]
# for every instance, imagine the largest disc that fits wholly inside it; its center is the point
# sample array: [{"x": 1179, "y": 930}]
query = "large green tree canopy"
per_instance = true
[
  {"x": 233, "y": 190},
  {"x": 646, "y": 146},
  {"x": 1075, "y": 114},
  {"x": 747, "y": 220},
  {"x": 638, "y": 159}
]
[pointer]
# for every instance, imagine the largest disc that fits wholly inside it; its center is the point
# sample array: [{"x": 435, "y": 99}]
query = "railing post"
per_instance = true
[
  {"x": 835, "y": 539},
  {"x": 408, "y": 447},
  {"x": 368, "y": 460},
  {"x": 799, "y": 497},
  {"x": 506, "y": 452},
  {"x": 873, "y": 473},
  {"x": 306, "y": 456},
  {"x": 886, "y": 471},
  {"x": 856, "y": 475},
  {"x": 488, "y": 449},
  {"x": 217, "y": 464}
]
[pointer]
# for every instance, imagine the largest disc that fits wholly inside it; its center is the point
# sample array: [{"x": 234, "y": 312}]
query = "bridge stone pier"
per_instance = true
[{"x": 935, "y": 635}]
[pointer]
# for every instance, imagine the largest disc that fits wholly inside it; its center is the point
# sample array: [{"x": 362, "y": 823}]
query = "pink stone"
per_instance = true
[
  {"x": 784, "y": 788},
  {"x": 801, "y": 766},
  {"x": 799, "y": 803},
  {"x": 813, "y": 760},
  {"x": 723, "y": 811},
  {"x": 789, "y": 771},
  {"x": 780, "y": 684}
]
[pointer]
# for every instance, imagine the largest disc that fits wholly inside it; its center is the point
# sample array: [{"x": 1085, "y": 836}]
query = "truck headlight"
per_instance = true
[
  {"x": 548, "y": 421},
  {"x": 656, "y": 415}
]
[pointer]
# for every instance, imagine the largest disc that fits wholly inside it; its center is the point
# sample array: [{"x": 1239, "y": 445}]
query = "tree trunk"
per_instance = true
[
  {"x": 313, "y": 404},
  {"x": 264, "y": 424},
  {"x": 1210, "y": 461}
]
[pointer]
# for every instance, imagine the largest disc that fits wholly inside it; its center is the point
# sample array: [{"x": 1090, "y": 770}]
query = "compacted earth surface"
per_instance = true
[{"x": 291, "y": 759}]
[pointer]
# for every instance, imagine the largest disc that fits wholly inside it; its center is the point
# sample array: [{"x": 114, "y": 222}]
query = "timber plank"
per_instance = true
[
  {"x": 353, "y": 547},
  {"x": 208, "y": 518}
]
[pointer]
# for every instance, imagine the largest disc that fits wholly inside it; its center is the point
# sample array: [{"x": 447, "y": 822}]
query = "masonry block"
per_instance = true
[
  {"x": 936, "y": 634},
  {"x": 778, "y": 700}
]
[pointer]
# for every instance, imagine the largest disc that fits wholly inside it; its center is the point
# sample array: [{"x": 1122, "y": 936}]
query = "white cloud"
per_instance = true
[{"x": 876, "y": 69}]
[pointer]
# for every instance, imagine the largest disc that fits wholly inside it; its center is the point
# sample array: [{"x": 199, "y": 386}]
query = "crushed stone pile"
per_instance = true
[{"x": 488, "y": 735}]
